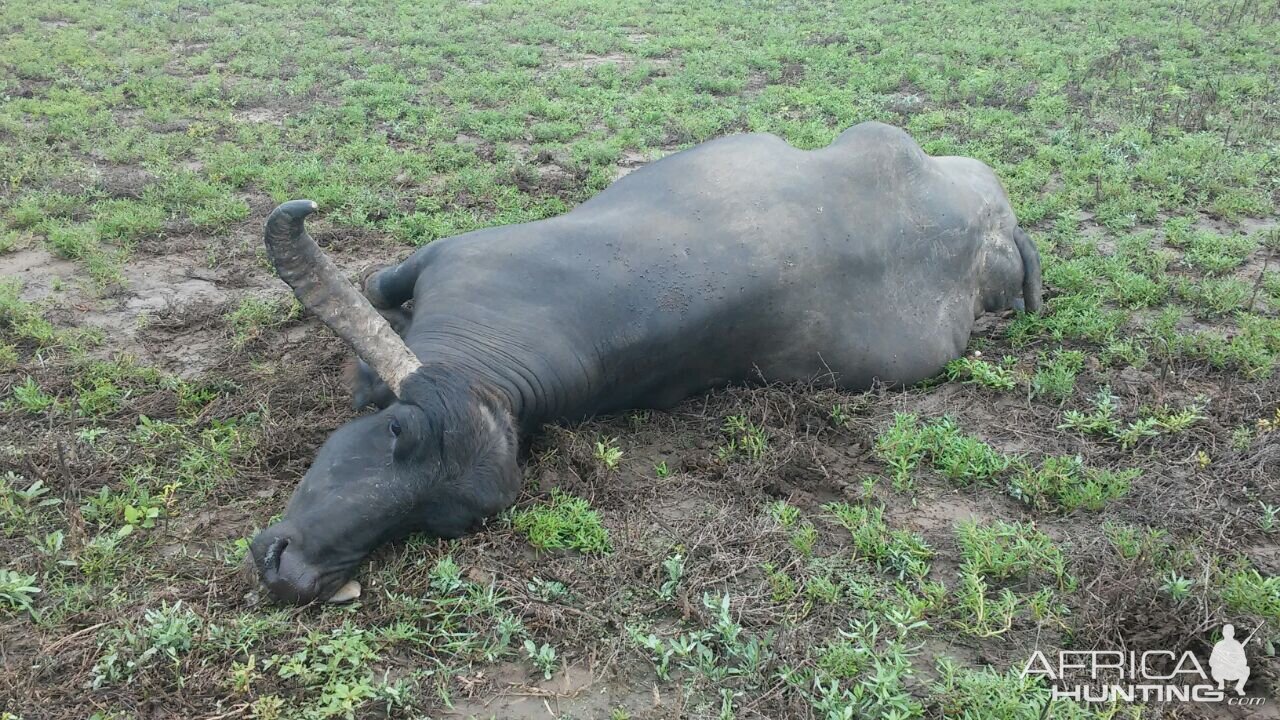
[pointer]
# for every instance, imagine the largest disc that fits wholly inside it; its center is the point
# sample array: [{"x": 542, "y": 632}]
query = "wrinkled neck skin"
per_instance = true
[{"x": 531, "y": 387}]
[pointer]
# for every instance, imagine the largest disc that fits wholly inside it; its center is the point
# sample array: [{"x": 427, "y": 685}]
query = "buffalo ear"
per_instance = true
[
  {"x": 493, "y": 482},
  {"x": 367, "y": 389}
]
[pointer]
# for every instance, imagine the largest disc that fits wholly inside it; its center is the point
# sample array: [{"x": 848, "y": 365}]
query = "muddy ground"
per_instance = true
[{"x": 171, "y": 317}]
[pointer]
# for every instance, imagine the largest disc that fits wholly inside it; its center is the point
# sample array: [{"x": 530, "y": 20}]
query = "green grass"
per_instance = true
[
  {"x": 1211, "y": 253},
  {"x": 31, "y": 398},
  {"x": 902, "y": 552},
  {"x": 253, "y": 316},
  {"x": 981, "y": 372},
  {"x": 961, "y": 458},
  {"x": 23, "y": 322},
  {"x": 1002, "y": 550},
  {"x": 564, "y": 522},
  {"x": 1065, "y": 483},
  {"x": 1055, "y": 376}
]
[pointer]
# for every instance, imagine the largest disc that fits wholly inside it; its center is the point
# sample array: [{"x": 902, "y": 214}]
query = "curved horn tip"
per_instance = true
[{"x": 296, "y": 209}]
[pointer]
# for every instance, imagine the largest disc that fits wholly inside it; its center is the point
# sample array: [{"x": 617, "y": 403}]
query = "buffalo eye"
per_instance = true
[{"x": 394, "y": 426}]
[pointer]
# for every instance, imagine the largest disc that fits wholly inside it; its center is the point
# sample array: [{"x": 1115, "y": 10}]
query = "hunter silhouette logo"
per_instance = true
[
  {"x": 1228, "y": 662},
  {"x": 1151, "y": 675}
]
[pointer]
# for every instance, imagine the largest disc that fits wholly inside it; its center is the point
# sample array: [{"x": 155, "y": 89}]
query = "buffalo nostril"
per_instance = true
[{"x": 271, "y": 560}]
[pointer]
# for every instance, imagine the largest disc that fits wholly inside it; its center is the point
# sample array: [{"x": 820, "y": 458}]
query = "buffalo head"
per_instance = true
[{"x": 438, "y": 459}]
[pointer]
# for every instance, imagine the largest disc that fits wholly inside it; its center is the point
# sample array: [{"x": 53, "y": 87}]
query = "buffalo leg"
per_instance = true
[{"x": 393, "y": 286}]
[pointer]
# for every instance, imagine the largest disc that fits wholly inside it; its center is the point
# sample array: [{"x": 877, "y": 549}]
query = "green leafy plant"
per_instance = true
[
  {"x": 980, "y": 372},
  {"x": 745, "y": 439},
  {"x": 563, "y": 522},
  {"x": 17, "y": 591},
  {"x": 31, "y": 398},
  {"x": 1055, "y": 376},
  {"x": 1065, "y": 483},
  {"x": 1177, "y": 587},
  {"x": 542, "y": 656},
  {"x": 608, "y": 453},
  {"x": 899, "y": 551},
  {"x": 674, "y": 568}
]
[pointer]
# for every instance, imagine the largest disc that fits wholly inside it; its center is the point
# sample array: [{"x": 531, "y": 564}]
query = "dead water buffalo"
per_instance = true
[{"x": 737, "y": 260}]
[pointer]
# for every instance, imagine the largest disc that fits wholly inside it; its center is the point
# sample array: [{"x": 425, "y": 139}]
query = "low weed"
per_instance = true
[
  {"x": 1178, "y": 588},
  {"x": 962, "y": 458},
  {"x": 724, "y": 652},
  {"x": 1064, "y": 483},
  {"x": 783, "y": 513},
  {"x": 23, "y": 323},
  {"x": 1215, "y": 297},
  {"x": 902, "y": 446},
  {"x": 165, "y": 634},
  {"x": 673, "y": 566},
  {"x": 986, "y": 693},
  {"x": 21, "y": 507},
  {"x": 607, "y": 453},
  {"x": 1055, "y": 376},
  {"x": 1269, "y": 517},
  {"x": 1246, "y": 590},
  {"x": 334, "y": 670},
  {"x": 745, "y": 439},
  {"x": 899, "y": 551},
  {"x": 563, "y": 522},
  {"x": 1102, "y": 420},
  {"x": 30, "y": 397},
  {"x": 865, "y": 672},
  {"x": 1213, "y": 253},
  {"x": 542, "y": 656},
  {"x": 1004, "y": 550},
  {"x": 978, "y": 614},
  {"x": 1084, "y": 316},
  {"x": 1132, "y": 542},
  {"x": 17, "y": 590},
  {"x": 253, "y": 316},
  {"x": 980, "y": 372}
]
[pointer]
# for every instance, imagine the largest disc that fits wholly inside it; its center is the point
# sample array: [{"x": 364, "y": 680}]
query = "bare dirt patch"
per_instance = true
[{"x": 506, "y": 691}]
